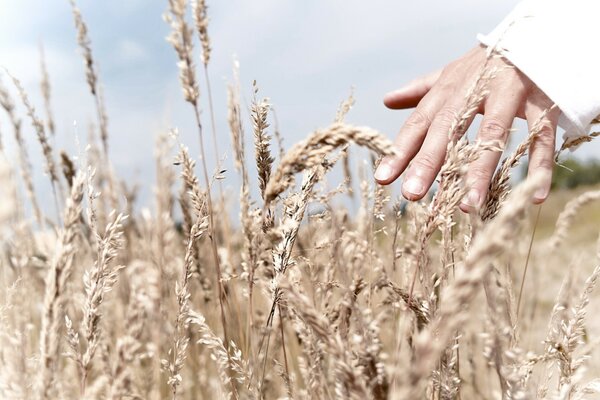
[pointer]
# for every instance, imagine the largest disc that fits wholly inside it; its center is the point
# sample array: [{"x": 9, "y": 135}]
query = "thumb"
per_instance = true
[{"x": 409, "y": 95}]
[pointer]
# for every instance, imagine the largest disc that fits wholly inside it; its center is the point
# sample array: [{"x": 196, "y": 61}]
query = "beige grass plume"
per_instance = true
[
  {"x": 23, "y": 154},
  {"x": 201, "y": 21},
  {"x": 312, "y": 151},
  {"x": 264, "y": 160},
  {"x": 55, "y": 294},
  {"x": 46, "y": 92},
  {"x": 181, "y": 40},
  {"x": 499, "y": 187},
  {"x": 495, "y": 238},
  {"x": 47, "y": 151}
]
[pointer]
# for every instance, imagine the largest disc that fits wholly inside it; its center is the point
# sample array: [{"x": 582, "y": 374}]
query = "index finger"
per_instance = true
[{"x": 411, "y": 94}]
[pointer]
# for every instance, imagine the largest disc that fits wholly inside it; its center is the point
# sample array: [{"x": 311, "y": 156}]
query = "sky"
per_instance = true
[{"x": 305, "y": 56}]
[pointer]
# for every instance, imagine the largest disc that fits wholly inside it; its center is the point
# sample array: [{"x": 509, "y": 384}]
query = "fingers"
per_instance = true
[
  {"x": 411, "y": 94},
  {"x": 428, "y": 162},
  {"x": 409, "y": 139},
  {"x": 541, "y": 151},
  {"x": 499, "y": 115}
]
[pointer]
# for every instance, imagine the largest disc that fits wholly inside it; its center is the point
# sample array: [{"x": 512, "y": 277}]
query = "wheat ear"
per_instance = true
[
  {"x": 55, "y": 294},
  {"x": 312, "y": 151}
]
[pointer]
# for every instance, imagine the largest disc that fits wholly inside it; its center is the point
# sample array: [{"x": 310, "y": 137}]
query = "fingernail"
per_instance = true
[
  {"x": 541, "y": 193},
  {"x": 384, "y": 172},
  {"x": 393, "y": 94},
  {"x": 472, "y": 199},
  {"x": 414, "y": 186},
  {"x": 543, "y": 190}
]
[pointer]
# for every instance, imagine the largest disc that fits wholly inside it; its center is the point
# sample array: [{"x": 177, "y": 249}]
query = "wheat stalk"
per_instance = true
[
  {"x": 26, "y": 170},
  {"x": 312, "y": 152},
  {"x": 55, "y": 294},
  {"x": 181, "y": 40}
]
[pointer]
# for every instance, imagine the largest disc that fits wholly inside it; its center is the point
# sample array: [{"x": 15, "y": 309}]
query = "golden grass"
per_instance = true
[{"x": 304, "y": 300}]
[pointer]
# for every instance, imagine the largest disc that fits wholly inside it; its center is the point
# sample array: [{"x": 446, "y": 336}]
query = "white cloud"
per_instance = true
[
  {"x": 306, "y": 54},
  {"x": 129, "y": 51}
]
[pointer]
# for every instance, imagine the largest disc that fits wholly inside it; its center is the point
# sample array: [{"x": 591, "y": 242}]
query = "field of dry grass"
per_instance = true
[{"x": 297, "y": 298}]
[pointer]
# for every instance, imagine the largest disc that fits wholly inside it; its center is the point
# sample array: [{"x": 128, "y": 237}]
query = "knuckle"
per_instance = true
[
  {"x": 426, "y": 161},
  {"x": 546, "y": 131},
  {"x": 478, "y": 173},
  {"x": 447, "y": 115},
  {"x": 493, "y": 129},
  {"x": 418, "y": 119},
  {"x": 545, "y": 139}
]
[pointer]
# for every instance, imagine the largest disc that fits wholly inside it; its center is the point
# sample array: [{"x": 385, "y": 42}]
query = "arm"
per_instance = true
[
  {"x": 547, "y": 69},
  {"x": 555, "y": 44}
]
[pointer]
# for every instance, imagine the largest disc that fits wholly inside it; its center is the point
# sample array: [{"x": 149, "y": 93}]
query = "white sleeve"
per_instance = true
[{"x": 556, "y": 44}]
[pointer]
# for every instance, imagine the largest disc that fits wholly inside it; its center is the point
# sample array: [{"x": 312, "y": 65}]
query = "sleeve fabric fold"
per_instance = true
[{"x": 556, "y": 44}]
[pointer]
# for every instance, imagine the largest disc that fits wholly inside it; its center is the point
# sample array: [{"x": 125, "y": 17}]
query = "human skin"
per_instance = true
[{"x": 437, "y": 99}]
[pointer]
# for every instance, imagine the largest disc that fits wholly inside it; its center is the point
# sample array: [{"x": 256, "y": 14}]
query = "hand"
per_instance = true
[{"x": 438, "y": 97}]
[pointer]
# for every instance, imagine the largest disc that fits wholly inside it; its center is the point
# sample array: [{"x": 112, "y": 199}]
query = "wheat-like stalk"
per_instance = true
[
  {"x": 56, "y": 286},
  {"x": 46, "y": 92},
  {"x": 199, "y": 227},
  {"x": 313, "y": 150},
  {"x": 495, "y": 238},
  {"x": 91, "y": 73},
  {"x": 47, "y": 150},
  {"x": 98, "y": 281},
  {"x": 566, "y": 217},
  {"x": 201, "y": 21},
  {"x": 26, "y": 170},
  {"x": 264, "y": 160},
  {"x": 499, "y": 187},
  {"x": 181, "y": 40}
]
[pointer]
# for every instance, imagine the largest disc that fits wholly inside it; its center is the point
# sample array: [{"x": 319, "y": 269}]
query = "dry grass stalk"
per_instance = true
[
  {"x": 450, "y": 193},
  {"x": 250, "y": 219},
  {"x": 572, "y": 143},
  {"x": 46, "y": 92},
  {"x": 177, "y": 353},
  {"x": 14, "y": 372},
  {"x": 47, "y": 151},
  {"x": 312, "y": 151},
  {"x": 129, "y": 346},
  {"x": 349, "y": 377},
  {"x": 10, "y": 210},
  {"x": 181, "y": 40},
  {"x": 345, "y": 107},
  {"x": 92, "y": 77},
  {"x": 26, "y": 170},
  {"x": 343, "y": 110},
  {"x": 55, "y": 295},
  {"x": 201, "y": 21},
  {"x": 494, "y": 238},
  {"x": 574, "y": 332},
  {"x": 499, "y": 187},
  {"x": 295, "y": 208},
  {"x": 200, "y": 16},
  {"x": 98, "y": 281},
  {"x": 68, "y": 168},
  {"x": 91, "y": 74},
  {"x": 567, "y": 216},
  {"x": 264, "y": 160},
  {"x": 226, "y": 359},
  {"x": 277, "y": 133}
]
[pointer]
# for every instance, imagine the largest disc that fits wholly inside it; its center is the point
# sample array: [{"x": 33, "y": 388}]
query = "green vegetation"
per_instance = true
[{"x": 570, "y": 173}]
